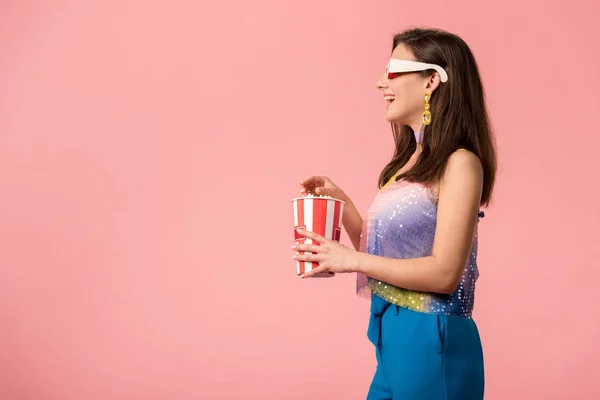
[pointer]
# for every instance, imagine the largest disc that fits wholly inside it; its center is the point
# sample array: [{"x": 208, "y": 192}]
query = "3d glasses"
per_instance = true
[{"x": 396, "y": 66}]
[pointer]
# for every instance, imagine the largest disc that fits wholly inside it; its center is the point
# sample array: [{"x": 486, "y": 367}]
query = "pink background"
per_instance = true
[{"x": 148, "y": 155}]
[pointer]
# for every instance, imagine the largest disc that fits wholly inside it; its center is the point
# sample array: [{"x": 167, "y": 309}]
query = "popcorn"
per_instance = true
[{"x": 319, "y": 196}]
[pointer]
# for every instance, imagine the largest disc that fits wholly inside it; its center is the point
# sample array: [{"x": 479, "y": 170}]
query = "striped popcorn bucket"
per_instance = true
[{"x": 319, "y": 214}]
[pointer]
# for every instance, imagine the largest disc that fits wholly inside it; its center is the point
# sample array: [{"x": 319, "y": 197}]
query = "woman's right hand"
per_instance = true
[
  {"x": 352, "y": 220},
  {"x": 322, "y": 186}
]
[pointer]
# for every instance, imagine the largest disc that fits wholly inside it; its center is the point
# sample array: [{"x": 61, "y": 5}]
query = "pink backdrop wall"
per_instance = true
[{"x": 148, "y": 154}]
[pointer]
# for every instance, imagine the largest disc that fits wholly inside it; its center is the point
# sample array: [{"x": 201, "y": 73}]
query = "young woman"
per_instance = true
[{"x": 416, "y": 250}]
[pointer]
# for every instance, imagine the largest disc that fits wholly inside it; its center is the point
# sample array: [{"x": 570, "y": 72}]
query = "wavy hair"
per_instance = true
[{"x": 459, "y": 113}]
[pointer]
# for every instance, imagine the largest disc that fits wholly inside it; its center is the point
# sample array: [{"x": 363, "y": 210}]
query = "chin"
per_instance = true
[
  {"x": 395, "y": 115},
  {"x": 394, "y": 118}
]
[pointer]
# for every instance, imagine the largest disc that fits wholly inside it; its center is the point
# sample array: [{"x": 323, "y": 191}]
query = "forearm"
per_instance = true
[
  {"x": 353, "y": 222},
  {"x": 420, "y": 274}
]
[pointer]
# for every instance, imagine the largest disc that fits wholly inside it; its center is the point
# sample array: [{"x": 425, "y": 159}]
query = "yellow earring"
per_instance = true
[{"x": 426, "y": 113}]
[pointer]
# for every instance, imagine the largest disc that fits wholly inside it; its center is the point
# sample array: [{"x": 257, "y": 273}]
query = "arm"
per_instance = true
[
  {"x": 353, "y": 222},
  {"x": 458, "y": 205}
]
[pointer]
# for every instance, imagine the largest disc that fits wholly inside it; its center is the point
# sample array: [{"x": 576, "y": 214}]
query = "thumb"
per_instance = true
[{"x": 323, "y": 191}]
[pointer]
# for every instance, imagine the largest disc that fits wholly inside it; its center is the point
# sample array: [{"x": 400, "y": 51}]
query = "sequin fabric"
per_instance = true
[{"x": 401, "y": 223}]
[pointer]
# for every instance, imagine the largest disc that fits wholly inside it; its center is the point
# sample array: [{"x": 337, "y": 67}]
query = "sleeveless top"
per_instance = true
[{"x": 401, "y": 223}]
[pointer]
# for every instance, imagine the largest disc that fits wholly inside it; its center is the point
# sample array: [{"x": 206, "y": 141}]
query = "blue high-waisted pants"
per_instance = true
[{"x": 424, "y": 356}]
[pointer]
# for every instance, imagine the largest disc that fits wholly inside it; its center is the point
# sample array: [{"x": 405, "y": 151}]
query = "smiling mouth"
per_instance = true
[{"x": 389, "y": 99}]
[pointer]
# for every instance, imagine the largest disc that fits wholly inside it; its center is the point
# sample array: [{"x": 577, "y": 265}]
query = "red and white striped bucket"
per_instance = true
[{"x": 322, "y": 215}]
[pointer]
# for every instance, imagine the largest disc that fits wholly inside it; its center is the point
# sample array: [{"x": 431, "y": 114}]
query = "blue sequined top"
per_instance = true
[{"x": 401, "y": 223}]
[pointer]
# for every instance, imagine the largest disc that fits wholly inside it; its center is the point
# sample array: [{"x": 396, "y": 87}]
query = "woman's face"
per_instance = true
[{"x": 404, "y": 93}]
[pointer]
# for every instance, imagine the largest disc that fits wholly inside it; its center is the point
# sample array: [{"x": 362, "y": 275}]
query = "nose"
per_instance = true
[{"x": 382, "y": 82}]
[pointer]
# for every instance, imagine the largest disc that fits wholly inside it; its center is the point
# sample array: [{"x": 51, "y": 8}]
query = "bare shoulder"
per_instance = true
[
  {"x": 465, "y": 161},
  {"x": 463, "y": 175},
  {"x": 463, "y": 164}
]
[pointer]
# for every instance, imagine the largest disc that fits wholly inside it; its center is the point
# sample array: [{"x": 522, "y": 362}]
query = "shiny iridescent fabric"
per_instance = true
[{"x": 401, "y": 223}]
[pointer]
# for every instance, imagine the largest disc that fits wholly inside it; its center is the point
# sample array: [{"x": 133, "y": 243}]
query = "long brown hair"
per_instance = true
[{"x": 459, "y": 113}]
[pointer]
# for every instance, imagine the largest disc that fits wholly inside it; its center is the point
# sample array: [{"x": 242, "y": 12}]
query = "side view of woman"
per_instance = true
[{"x": 415, "y": 253}]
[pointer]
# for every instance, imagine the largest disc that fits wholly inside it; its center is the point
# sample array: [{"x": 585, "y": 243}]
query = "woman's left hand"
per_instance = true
[{"x": 331, "y": 255}]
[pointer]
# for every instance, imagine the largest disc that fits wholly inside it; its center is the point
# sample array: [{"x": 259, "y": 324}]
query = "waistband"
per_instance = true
[{"x": 429, "y": 303}]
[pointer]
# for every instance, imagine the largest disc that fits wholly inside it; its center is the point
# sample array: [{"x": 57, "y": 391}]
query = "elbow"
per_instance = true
[
  {"x": 448, "y": 287},
  {"x": 449, "y": 281}
]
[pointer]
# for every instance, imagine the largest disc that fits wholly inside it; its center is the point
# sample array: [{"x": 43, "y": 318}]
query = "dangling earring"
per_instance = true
[{"x": 426, "y": 113}]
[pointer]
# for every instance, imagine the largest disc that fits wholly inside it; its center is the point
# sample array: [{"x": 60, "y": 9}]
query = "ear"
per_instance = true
[{"x": 432, "y": 82}]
